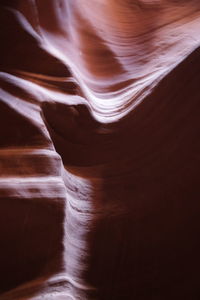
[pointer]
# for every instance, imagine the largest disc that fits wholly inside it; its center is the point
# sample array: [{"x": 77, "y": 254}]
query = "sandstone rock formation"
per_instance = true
[{"x": 99, "y": 149}]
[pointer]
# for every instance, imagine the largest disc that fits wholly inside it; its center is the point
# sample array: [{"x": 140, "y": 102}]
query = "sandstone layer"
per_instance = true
[{"x": 99, "y": 149}]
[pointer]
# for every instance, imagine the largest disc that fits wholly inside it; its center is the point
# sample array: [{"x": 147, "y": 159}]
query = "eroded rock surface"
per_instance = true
[{"x": 99, "y": 149}]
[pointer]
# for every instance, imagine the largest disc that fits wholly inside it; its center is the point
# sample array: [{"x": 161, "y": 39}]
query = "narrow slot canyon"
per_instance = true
[{"x": 99, "y": 149}]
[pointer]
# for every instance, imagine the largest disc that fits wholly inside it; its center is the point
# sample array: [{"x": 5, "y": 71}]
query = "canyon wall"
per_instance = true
[{"x": 99, "y": 149}]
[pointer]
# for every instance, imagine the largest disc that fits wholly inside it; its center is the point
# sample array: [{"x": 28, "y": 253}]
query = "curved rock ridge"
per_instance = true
[
  {"x": 116, "y": 50},
  {"x": 99, "y": 149}
]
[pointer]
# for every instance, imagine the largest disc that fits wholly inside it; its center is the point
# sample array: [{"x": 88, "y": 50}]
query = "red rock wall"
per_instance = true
[{"x": 99, "y": 149}]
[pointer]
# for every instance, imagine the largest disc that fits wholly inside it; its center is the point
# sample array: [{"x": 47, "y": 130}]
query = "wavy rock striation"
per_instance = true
[{"x": 99, "y": 149}]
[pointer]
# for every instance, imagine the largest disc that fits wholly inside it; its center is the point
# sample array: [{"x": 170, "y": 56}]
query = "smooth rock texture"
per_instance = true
[{"x": 99, "y": 149}]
